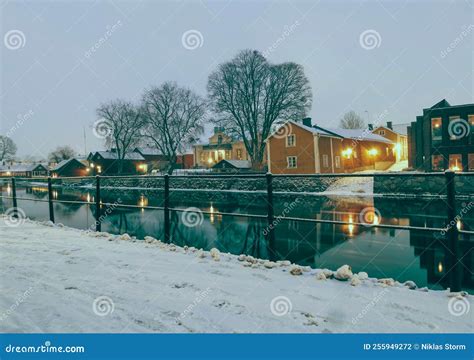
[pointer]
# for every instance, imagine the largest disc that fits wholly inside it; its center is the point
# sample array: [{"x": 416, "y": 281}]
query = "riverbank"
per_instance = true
[{"x": 57, "y": 279}]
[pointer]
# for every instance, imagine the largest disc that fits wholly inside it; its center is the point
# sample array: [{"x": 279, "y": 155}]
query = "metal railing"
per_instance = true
[{"x": 452, "y": 232}]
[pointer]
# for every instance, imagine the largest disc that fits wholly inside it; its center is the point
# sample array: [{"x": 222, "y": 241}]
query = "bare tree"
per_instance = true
[
  {"x": 351, "y": 120},
  {"x": 120, "y": 125},
  {"x": 174, "y": 119},
  {"x": 61, "y": 153},
  {"x": 249, "y": 95},
  {"x": 7, "y": 148}
]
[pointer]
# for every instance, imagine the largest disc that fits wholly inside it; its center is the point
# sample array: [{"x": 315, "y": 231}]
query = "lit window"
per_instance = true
[
  {"x": 292, "y": 162},
  {"x": 337, "y": 161},
  {"x": 436, "y": 130},
  {"x": 290, "y": 140},
  {"x": 239, "y": 154},
  {"x": 437, "y": 162},
  {"x": 455, "y": 162},
  {"x": 325, "y": 161}
]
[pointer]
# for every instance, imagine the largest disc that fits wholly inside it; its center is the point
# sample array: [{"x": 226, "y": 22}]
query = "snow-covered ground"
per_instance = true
[
  {"x": 57, "y": 279},
  {"x": 399, "y": 166}
]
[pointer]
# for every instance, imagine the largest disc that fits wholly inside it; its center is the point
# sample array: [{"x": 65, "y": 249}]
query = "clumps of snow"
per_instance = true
[
  {"x": 410, "y": 284},
  {"x": 201, "y": 254},
  {"x": 150, "y": 239},
  {"x": 344, "y": 273},
  {"x": 215, "y": 254},
  {"x": 458, "y": 295},
  {"x": 241, "y": 257},
  {"x": 386, "y": 282},
  {"x": 425, "y": 289},
  {"x": 296, "y": 270},
  {"x": 284, "y": 262},
  {"x": 270, "y": 264},
  {"x": 355, "y": 280},
  {"x": 125, "y": 237},
  {"x": 363, "y": 275},
  {"x": 320, "y": 276}
]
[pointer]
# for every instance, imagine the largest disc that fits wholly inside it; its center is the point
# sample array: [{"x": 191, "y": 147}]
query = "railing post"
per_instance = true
[
  {"x": 270, "y": 215},
  {"x": 167, "y": 208},
  {"x": 15, "y": 204},
  {"x": 50, "y": 200},
  {"x": 452, "y": 233},
  {"x": 98, "y": 226}
]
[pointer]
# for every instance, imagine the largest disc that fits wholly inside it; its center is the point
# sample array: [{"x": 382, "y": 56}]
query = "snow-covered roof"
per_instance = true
[
  {"x": 147, "y": 151},
  {"x": 238, "y": 164},
  {"x": 357, "y": 134},
  {"x": 112, "y": 155},
  {"x": 21, "y": 167},
  {"x": 314, "y": 130},
  {"x": 65, "y": 162}
]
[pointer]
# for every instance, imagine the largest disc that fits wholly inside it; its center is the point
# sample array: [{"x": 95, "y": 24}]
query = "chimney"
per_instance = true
[
  {"x": 371, "y": 127},
  {"x": 307, "y": 122},
  {"x": 389, "y": 125}
]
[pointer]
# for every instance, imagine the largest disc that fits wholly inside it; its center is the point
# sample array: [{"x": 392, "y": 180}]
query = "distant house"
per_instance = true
[
  {"x": 185, "y": 161},
  {"x": 220, "y": 147},
  {"x": 71, "y": 167},
  {"x": 154, "y": 159},
  {"x": 107, "y": 163},
  {"x": 397, "y": 134},
  {"x": 24, "y": 170},
  {"x": 233, "y": 165},
  {"x": 442, "y": 138},
  {"x": 301, "y": 148}
]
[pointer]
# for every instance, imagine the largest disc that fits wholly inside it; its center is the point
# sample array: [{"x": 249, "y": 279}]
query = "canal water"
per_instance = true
[{"x": 420, "y": 256}]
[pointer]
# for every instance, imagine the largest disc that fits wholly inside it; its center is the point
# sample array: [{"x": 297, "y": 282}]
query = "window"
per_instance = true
[
  {"x": 452, "y": 135},
  {"x": 436, "y": 130},
  {"x": 470, "y": 162},
  {"x": 291, "y": 140},
  {"x": 292, "y": 162},
  {"x": 455, "y": 162},
  {"x": 325, "y": 161},
  {"x": 382, "y": 132},
  {"x": 437, "y": 163},
  {"x": 203, "y": 157},
  {"x": 470, "y": 119},
  {"x": 355, "y": 154},
  {"x": 219, "y": 139},
  {"x": 239, "y": 154},
  {"x": 337, "y": 161}
]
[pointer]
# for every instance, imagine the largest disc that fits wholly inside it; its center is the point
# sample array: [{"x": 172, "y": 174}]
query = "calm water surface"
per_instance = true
[{"x": 401, "y": 254}]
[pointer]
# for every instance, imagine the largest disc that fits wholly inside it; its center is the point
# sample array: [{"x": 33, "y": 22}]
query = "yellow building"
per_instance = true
[{"x": 220, "y": 146}]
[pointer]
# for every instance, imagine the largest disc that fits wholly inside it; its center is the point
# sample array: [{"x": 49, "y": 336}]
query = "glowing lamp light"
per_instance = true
[
  {"x": 373, "y": 152},
  {"x": 9, "y": 173},
  {"x": 209, "y": 160},
  {"x": 440, "y": 267},
  {"x": 459, "y": 224},
  {"x": 347, "y": 153},
  {"x": 91, "y": 165}
]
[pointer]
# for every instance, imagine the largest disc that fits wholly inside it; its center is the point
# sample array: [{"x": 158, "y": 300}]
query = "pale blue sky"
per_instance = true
[{"x": 53, "y": 78}]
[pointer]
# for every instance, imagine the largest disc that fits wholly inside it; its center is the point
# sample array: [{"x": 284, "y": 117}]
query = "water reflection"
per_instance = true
[{"x": 403, "y": 255}]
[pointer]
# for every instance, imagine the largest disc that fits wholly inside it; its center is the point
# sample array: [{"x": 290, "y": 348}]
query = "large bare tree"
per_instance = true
[
  {"x": 7, "y": 148},
  {"x": 119, "y": 125},
  {"x": 249, "y": 94},
  {"x": 174, "y": 119},
  {"x": 61, "y": 153},
  {"x": 351, "y": 120}
]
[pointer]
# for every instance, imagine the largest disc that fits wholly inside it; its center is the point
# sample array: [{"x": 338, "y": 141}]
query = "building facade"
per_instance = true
[
  {"x": 220, "y": 147},
  {"x": 396, "y": 134},
  {"x": 107, "y": 163},
  {"x": 442, "y": 138},
  {"x": 24, "y": 170},
  {"x": 71, "y": 167},
  {"x": 301, "y": 148}
]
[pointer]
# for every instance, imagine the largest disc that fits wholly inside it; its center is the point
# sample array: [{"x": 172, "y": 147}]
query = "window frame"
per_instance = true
[
  {"x": 292, "y": 136},
  {"x": 325, "y": 160},
  {"x": 289, "y": 162}
]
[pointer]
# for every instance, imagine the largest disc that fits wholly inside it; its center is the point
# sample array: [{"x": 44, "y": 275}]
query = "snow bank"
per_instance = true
[{"x": 58, "y": 279}]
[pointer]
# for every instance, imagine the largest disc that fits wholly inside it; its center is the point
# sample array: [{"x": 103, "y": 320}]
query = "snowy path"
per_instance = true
[{"x": 51, "y": 277}]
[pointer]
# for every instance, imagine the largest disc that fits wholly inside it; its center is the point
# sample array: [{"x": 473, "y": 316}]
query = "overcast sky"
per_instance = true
[{"x": 59, "y": 60}]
